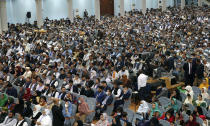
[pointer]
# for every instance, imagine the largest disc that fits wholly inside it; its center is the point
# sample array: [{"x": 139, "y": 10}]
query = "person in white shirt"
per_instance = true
[
  {"x": 123, "y": 72},
  {"x": 143, "y": 107},
  {"x": 27, "y": 73},
  {"x": 9, "y": 120},
  {"x": 76, "y": 80},
  {"x": 142, "y": 80},
  {"x": 44, "y": 119},
  {"x": 40, "y": 86},
  {"x": 21, "y": 121}
]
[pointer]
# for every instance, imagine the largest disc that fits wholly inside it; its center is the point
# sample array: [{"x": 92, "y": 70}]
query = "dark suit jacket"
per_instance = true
[
  {"x": 200, "y": 71},
  {"x": 126, "y": 96},
  {"x": 100, "y": 96},
  {"x": 109, "y": 100},
  {"x": 89, "y": 93},
  {"x": 12, "y": 92},
  {"x": 186, "y": 69},
  {"x": 63, "y": 95},
  {"x": 75, "y": 89}
]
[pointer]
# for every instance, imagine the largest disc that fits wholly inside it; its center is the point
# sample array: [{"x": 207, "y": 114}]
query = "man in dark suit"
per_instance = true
[
  {"x": 11, "y": 91},
  {"x": 62, "y": 94},
  {"x": 100, "y": 108},
  {"x": 125, "y": 96},
  {"x": 72, "y": 88},
  {"x": 189, "y": 72},
  {"x": 199, "y": 73},
  {"x": 89, "y": 92},
  {"x": 100, "y": 95},
  {"x": 104, "y": 84}
]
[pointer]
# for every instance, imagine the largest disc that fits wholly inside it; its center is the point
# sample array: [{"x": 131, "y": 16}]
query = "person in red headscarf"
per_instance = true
[
  {"x": 192, "y": 121},
  {"x": 27, "y": 94}
]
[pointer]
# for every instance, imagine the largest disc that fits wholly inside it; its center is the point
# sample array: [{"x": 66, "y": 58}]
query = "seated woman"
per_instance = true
[
  {"x": 155, "y": 111},
  {"x": 205, "y": 83},
  {"x": 10, "y": 105},
  {"x": 103, "y": 120},
  {"x": 27, "y": 94},
  {"x": 188, "y": 99},
  {"x": 173, "y": 105},
  {"x": 169, "y": 116},
  {"x": 189, "y": 90},
  {"x": 204, "y": 93},
  {"x": 143, "y": 108},
  {"x": 201, "y": 102},
  {"x": 192, "y": 121},
  {"x": 3, "y": 99},
  {"x": 36, "y": 97}
]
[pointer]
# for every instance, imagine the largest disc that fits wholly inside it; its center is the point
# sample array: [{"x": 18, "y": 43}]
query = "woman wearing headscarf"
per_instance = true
[
  {"x": 199, "y": 112},
  {"x": 205, "y": 83},
  {"x": 192, "y": 121},
  {"x": 169, "y": 116},
  {"x": 36, "y": 114},
  {"x": 3, "y": 99},
  {"x": 27, "y": 111},
  {"x": 36, "y": 97},
  {"x": 10, "y": 105},
  {"x": 188, "y": 99},
  {"x": 204, "y": 93},
  {"x": 201, "y": 102},
  {"x": 19, "y": 107},
  {"x": 189, "y": 91},
  {"x": 67, "y": 112},
  {"x": 27, "y": 94},
  {"x": 155, "y": 111},
  {"x": 174, "y": 105},
  {"x": 103, "y": 120},
  {"x": 83, "y": 109},
  {"x": 143, "y": 108}
]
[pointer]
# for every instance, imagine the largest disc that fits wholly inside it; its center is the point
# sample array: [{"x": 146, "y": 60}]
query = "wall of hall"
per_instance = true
[{"x": 56, "y": 9}]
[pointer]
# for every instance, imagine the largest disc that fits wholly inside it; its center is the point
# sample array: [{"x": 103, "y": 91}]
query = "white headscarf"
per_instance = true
[
  {"x": 38, "y": 108},
  {"x": 189, "y": 91},
  {"x": 205, "y": 94},
  {"x": 143, "y": 108}
]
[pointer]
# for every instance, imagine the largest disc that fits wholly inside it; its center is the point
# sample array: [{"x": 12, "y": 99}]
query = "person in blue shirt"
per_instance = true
[
  {"x": 67, "y": 113},
  {"x": 100, "y": 95}
]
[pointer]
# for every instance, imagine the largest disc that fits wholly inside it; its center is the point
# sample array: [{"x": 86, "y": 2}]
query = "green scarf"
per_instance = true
[{"x": 4, "y": 100}]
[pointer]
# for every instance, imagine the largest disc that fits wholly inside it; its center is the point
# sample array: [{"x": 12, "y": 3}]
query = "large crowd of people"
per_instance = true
[{"x": 71, "y": 73}]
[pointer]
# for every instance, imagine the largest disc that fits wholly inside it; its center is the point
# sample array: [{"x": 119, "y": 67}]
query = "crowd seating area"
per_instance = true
[{"x": 91, "y": 72}]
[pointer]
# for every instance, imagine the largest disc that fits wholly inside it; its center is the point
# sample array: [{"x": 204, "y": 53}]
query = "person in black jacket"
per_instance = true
[
  {"x": 58, "y": 118},
  {"x": 19, "y": 107},
  {"x": 199, "y": 73},
  {"x": 189, "y": 72},
  {"x": 62, "y": 94},
  {"x": 89, "y": 92},
  {"x": 106, "y": 102},
  {"x": 27, "y": 111}
]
